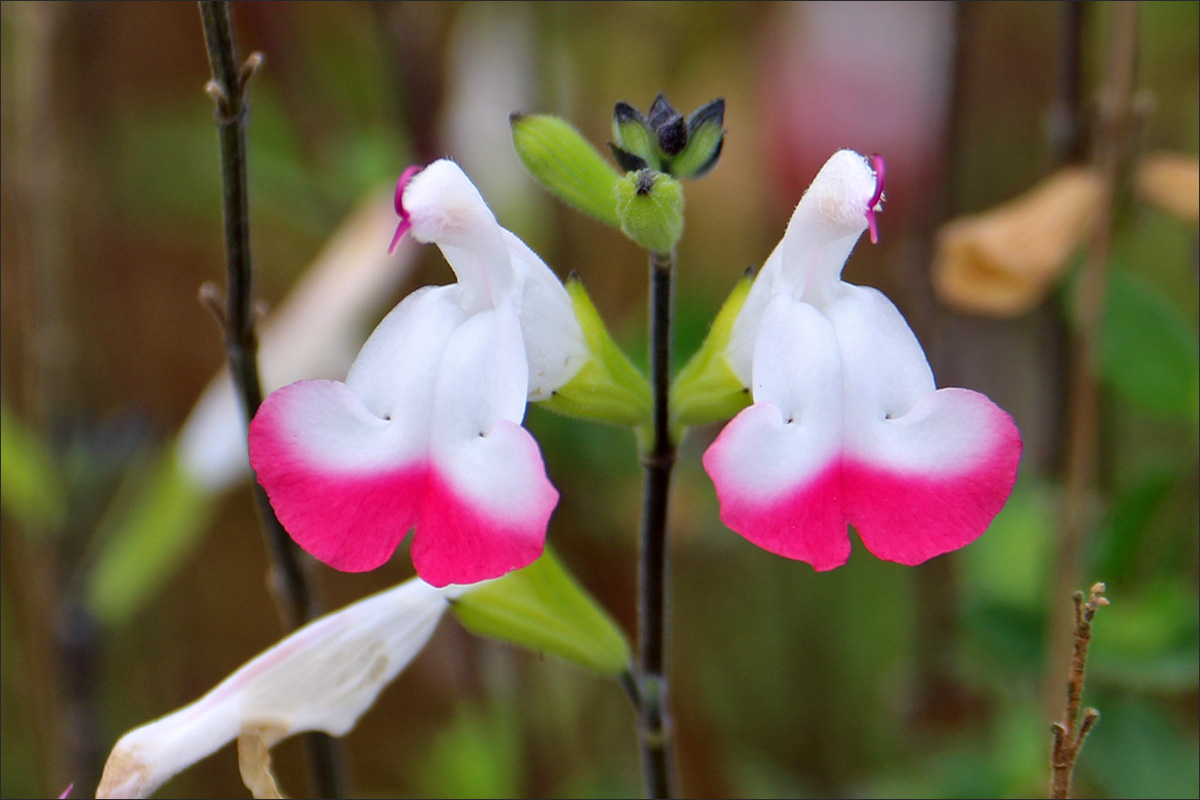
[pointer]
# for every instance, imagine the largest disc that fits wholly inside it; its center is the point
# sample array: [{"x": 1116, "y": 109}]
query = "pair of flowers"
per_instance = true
[{"x": 425, "y": 433}]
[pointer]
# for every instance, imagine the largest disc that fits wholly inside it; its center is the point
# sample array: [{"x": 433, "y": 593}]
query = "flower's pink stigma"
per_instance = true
[
  {"x": 877, "y": 165},
  {"x": 398, "y": 203}
]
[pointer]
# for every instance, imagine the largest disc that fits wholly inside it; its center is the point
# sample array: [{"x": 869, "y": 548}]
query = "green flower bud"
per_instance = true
[
  {"x": 608, "y": 388},
  {"x": 662, "y": 140},
  {"x": 633, "y": 144},
  {"x": 650, "y": 207},
  {"x": 543, "y": 608},
  {"x": 706, "y": 390},
  {"x": 566, "y": 164},
  {"x": 705, "y": 137}
]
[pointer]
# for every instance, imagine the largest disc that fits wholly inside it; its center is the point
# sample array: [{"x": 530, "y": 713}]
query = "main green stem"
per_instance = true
[
  {"x": 296, "y": 600},
  {"x": 657, "y": 460}
]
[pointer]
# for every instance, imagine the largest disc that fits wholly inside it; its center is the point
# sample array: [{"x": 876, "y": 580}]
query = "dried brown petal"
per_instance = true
[
  {"x": 1002, "y": 262},
  {"x": 1171, "y": 182}
]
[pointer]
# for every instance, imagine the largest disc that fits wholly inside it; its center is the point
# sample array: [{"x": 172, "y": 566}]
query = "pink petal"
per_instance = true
[
  {"x": 804, "y": 520},
  {"x": 776, "y": 465},
  {"x": 935, "y": 478},
  {"x": 345, "y": 484},
  {"x": 489, "y": 500},
  {"x": 464, "y": 539}
]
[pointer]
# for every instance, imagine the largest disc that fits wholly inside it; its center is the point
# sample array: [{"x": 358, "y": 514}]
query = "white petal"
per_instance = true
[
  {"x": 827, "y": 222},
  {"x": 554, "y": 342},
  {"x": 322, "y": 677},
  {"x": 395, "y": 371},
  {"x": 796, "y": 370},
  {"x": 446, "y": 209},
  {"x": 739, "y": 353},
  {"x": 884, "y": 369},
  {"x": 489, "y": 500},
  {"x": 776, "y": 465}
]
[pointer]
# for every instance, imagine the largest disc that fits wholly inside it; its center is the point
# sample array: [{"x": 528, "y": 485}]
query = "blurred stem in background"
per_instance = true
[
  {"x": 654, "y": 573},
  {"x": 60, "y": 652},
  {"x": 295, "y": 597},
  {"x": 1114, "y": 132}
]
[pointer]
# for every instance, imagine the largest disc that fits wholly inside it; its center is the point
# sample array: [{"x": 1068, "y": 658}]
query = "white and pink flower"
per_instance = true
[
  {"x": 426, "y": 432},
  {"x": 846, "y": 424}
]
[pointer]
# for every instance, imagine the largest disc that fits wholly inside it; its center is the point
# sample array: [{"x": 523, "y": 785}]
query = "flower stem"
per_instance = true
[
  {"x": 296, "y": 600},
  {"x": 657, "y": 459}
]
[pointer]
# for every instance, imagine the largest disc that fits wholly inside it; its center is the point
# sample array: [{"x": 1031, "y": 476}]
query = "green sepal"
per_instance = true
[
  {"x": 705, "y": 139},
  {"x": 706, "y": 390},
  {"x": 566, "y": 164},
  {"x": 608, "y": 388},
  {"x": 632, "y": 137},
  {"x": 541, "y": 607},
  {"x": 650, "y": 207}
]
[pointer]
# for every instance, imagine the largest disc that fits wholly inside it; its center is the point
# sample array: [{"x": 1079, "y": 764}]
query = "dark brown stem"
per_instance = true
[
  {"x": 1070, "y": 733},
  {"x": 290, "y": 587},
  {"x": 653, "y": 600}
]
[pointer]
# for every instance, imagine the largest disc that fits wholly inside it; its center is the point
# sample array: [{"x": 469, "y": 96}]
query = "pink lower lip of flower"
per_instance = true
[
  {"x": 353, "y": 519},
  {"x": 904, "y": 515},
  {"x": 878, "y": 166},
  {"x": 398, "y": 202}
]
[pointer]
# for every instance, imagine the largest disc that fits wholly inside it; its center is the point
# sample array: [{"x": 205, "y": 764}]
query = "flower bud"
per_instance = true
[
  {"x": 633, "y": 145},
  {"x": 705, "y": 137},
  {"x": 662, "y": 140},
  {"x": 650, "y": 208},
  {"x": 566, "y": 164}
]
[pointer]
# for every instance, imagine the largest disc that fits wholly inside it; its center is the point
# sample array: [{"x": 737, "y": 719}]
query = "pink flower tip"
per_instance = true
[
  {"x": 398, "y": 203},
  {"x": 66, "y": 792},
  {"x": 873, "y": 203}
]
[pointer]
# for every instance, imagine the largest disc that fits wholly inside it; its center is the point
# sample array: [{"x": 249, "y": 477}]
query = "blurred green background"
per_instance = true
[{"x": 872, "y": 680}]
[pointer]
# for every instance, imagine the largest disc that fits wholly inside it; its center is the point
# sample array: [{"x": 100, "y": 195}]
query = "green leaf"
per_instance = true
[
  {"x": 29, "y": 486},
  {"x": 566, "y": 164},
  {"x": 541, "y": 607},
  {"x": 1149, "y": 353},
  {"x": 142, "y": 546}
]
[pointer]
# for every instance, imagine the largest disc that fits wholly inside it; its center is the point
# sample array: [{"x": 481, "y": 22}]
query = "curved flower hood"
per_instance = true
[
  {"x": 847, "y": 425},
  {"x": 426, "y": 432}
]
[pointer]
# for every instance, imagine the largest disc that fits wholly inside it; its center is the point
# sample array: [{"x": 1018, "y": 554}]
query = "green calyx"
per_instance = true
[
  {"x": 664, "y": 141},
  {"x": 566, "y": 164},
  {"x": 706, "y": 390},
  {"x": 541, "y": 607},
  {"x": 608, "y": 388},
  {"x": 650, "y": 209}
]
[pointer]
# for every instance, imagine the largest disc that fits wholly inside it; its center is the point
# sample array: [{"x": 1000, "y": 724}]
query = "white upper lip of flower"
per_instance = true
[{"x": 846, "y": 425}]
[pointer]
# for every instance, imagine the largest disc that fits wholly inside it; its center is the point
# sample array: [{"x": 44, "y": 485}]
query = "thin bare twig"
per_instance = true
[
  {"x": 290, "y": 586},
  {"x": 1070, "y": 733}
]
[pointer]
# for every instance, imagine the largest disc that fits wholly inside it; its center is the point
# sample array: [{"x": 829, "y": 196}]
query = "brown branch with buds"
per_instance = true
[{"x": 1071, "y": 732}]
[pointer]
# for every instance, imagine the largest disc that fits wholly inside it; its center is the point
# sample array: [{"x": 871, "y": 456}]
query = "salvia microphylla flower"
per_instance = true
[
  {"x": 320, "y": 678},
  {"x": 846, "y": 425},
  {"x": 426, "y": 432}
]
